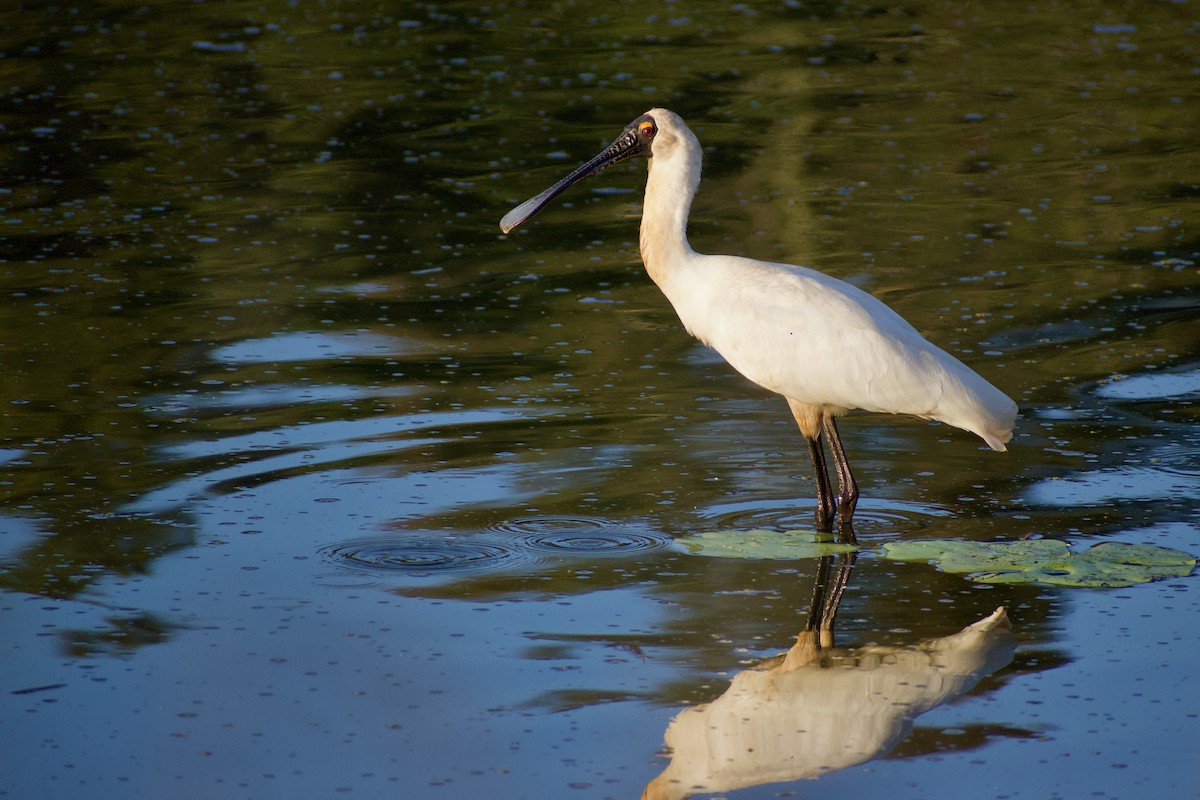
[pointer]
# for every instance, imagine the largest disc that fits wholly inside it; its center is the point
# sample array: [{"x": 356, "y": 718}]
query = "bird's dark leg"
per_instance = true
[
  {"x": 826, "y": 508},
  {"x": 847, "y": 486}
]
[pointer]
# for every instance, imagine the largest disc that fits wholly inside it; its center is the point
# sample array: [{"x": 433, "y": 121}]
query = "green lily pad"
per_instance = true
[
  {"x": 761, "y": 543},
  {"x": 1048, "y": 561}
]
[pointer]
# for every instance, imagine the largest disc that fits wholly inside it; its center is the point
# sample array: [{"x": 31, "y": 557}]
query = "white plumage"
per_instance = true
[{"x": 825, "y": 345}]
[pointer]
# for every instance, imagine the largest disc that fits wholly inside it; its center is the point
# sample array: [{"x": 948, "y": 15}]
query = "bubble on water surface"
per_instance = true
[{"x": 579, "y": 536}]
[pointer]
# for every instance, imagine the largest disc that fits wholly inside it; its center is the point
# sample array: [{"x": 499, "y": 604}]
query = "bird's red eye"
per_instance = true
[{"x": 647, "y": 129}]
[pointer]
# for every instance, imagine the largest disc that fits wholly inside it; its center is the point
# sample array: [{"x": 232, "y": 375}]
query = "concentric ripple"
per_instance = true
[
  {"x": 511, "y": 545},
  {"x": 579, "y": 536},
  {"x": 425, "y": 555},
  {"x": 872, "y": 516}
]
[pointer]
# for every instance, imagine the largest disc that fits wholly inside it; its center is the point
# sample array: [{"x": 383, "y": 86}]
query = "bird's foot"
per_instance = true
[
  {"x": 845, "y": 515},
  {"x": 826, "y": 514}
]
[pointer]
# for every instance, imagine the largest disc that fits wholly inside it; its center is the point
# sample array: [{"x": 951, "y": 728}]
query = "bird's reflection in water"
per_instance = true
[{"x": 817, "y": 708}]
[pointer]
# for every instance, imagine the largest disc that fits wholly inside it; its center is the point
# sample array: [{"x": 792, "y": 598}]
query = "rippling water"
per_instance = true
[
  {"x": 580, "y": 536},
  {"x": 519, "y": 544},
  {"x": 313, "y": 483}
]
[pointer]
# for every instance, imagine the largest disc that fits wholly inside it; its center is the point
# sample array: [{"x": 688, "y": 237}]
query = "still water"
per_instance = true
[{"x": 313, "y": 484}]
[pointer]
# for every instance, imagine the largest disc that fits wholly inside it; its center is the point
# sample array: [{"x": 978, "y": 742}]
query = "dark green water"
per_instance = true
[{"x": 315, "y": 484}]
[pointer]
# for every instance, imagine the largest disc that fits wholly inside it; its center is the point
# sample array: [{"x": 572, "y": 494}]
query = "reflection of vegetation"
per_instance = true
[
  {"x": 124, "y": 635},
  {"x": 571, "y": 699},
  {"x": 177, "y": 180},
  {"x": 61, "y": 565}
]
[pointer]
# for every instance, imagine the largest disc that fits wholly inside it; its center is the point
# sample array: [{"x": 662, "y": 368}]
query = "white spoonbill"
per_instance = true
[{"x": 826, "y": 346}]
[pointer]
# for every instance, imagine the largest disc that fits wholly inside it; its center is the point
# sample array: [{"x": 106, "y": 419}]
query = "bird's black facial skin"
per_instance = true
[{"x": 646, "y": 129}]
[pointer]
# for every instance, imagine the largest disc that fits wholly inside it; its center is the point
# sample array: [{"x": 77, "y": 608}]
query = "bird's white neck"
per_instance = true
[{"x": 670, "y": 187}]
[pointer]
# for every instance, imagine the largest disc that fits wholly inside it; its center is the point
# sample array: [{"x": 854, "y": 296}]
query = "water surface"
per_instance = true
[{"x": 313, "y": 483}]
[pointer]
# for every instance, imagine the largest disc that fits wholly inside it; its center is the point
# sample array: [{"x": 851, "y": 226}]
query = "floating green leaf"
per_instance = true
[
  {"x": 1048, "y": 561},
  {"x": 761, "y": 543}
]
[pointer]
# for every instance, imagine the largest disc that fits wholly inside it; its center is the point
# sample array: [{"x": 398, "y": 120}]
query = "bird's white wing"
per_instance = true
[{"x": 824, "y": 342}]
